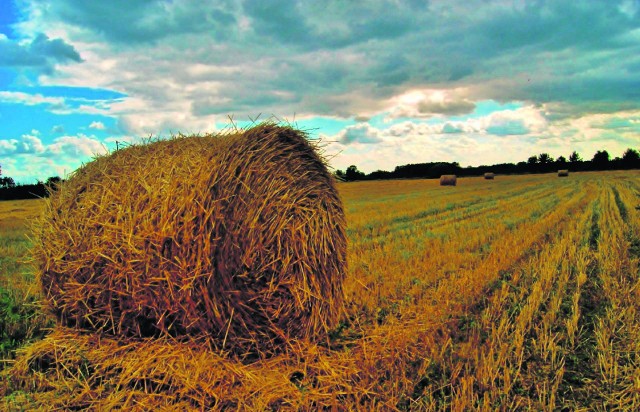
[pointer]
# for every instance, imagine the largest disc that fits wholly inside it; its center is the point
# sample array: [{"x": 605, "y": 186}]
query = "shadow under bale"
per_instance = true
[{"x": 238, "y": 238}]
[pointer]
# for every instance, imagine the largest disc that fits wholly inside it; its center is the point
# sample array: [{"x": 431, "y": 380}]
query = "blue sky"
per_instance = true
[{"x": 382, "y": 82}]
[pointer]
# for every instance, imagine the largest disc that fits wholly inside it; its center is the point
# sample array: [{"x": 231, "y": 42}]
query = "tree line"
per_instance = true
[
  {"x": 542, "y": 163},
  {"x": 9, "y": 190}
]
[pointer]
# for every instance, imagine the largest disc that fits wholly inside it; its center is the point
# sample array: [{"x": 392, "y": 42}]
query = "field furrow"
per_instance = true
[{"x": 521, "y": 293}]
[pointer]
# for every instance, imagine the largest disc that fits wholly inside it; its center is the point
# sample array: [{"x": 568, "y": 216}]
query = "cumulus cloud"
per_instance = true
[
  {"x": 360, "y": 133},
  {"x": 522, "y": 121},
  {"x": 80, "y": 146},
  {"x": 139, "y": 117},
  {"x": 420, "y": 103},
  {"x": 469, "y": 143},
  {"x": 97, "y": 125},
  {"x": 27, "y": 144},
  {"x": 41, "y": 53}
]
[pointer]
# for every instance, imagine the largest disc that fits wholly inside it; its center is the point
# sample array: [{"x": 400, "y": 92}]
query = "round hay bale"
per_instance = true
[
  {"x": 489, "y": 176},
  {"x": 448, "y": 180},
  {"x": 563, "y": 173},
  {"x": 239, "y": 238}
]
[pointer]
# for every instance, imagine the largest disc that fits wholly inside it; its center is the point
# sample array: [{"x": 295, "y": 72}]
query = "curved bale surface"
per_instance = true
[{"x": 239, "y": 238}]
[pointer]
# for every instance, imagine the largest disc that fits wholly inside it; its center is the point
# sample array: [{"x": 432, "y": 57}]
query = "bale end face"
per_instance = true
[
  {"x": 489, "y": 176},
  {"x": 238, "y": 238},
  {"x": 563, "y": 173},
  {"x": 448, "y": 180}
]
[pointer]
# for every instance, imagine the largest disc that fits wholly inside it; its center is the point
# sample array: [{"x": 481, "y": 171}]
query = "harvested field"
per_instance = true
[{"x": 522, "y": 294}]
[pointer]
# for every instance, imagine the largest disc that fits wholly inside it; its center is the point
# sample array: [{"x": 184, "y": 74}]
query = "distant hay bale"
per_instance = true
[
  {"x": 448, "y": 180},
  {"x": 563, "y": 173},
  {"x": 239, "y": 238},
  {"x": 489, "y": 176}
]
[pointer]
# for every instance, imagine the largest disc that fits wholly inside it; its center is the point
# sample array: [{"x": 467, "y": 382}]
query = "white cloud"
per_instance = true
[
  {"x": 522, "y": 121},
  {"x": 421, "y": 103},
  {"x": 472, "y": 142},
  {"x": 80, "y": 146},
  {"x": 29, "y": 159},
  {"x": 97, "y": 125},
  {"x": 27, "y": 144},
  {"x": 29, "y": 99}
]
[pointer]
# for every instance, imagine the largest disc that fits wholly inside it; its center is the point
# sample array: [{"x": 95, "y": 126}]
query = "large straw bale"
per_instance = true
[
  {"x": 563, "y": 173},
  {"x": 239, "y": 238},
  {"x": 448, "y": 180},
  {"x": 489, "y": 176}
]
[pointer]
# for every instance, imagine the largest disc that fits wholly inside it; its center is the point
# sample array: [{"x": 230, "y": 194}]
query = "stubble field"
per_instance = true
[{"x": 514, "y": 293}]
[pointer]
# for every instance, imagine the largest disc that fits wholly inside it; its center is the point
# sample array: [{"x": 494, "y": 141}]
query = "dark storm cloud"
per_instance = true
[
  {"x": 329, "y": 57},
  {"x": 42, "y": 53},
  {"x": 131, "y": 22},
  {"x": 334, "y": 23}
]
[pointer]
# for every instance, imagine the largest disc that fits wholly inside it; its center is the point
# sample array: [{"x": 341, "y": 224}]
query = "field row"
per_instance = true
[{"x": 518, "y": 293}]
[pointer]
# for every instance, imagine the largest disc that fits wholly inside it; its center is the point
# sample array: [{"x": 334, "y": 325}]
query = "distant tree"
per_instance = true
[
  {"x": 600, "y": 159},
  {"x": 561, "y": 160},
  {"x": 353, "y": 173},
  {"x": 532, "y": 164},
  {"x": 544, "y": 158},
  {"x": 7, "y": 182},
  {"x": 52, "y": 183},
  {"x": 380, "y": 174},
  {"x": 631, "y": 159},
  {"x": 575, "y": 157},
  {"x": 53, "y": 180},
  {"x": 521, "y": 166},
  {"x": 340, "y": 174}
]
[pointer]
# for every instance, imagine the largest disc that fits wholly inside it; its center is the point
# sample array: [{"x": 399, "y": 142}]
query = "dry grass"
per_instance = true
[
  {"x": 519, "y": 295},
  {"x": 21, "y": 316},
  {"x": 15, "y": 215}
]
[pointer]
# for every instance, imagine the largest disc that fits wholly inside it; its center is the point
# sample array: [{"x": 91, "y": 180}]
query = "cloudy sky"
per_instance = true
[{"x": 382, "y": 82}]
